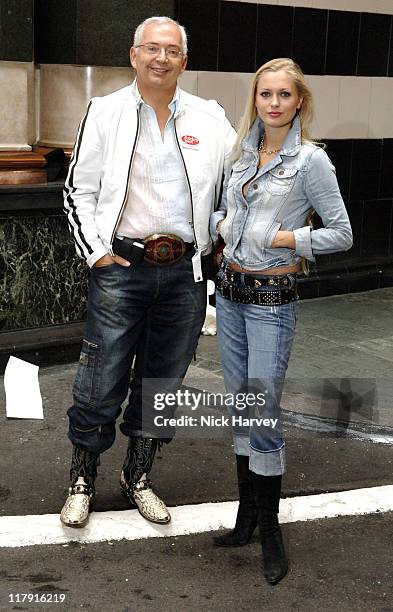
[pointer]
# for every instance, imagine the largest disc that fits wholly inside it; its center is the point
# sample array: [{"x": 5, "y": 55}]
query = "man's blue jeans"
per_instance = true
[
  {"x": 255, "y": 344},
  {"x": 154, "y": 313}
]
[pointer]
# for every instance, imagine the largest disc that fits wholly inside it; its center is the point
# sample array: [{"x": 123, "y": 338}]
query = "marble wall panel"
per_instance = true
[
  {"x": 310, "y": 27},
  {"x": 254, "y": 1},
  {"x": 343, "y": 105},
  {"x": 42, "y": 282},
  {"x": 220, "y": 86},
  {"x": 297, "y": 3},
  {"x": 242, "y": 84},
  {"x": 201, "y": 21},
  {"x": 90, "y": 32},
  {"x": 16, "y": 30},
  {"x": 354, "y": 107},
  {"x": 17, "y": 104},
  {"x": 384, "y": 6},
  {"x": 105, "y": 29},
  {"x": 189, "y": 82},
  {"x": 55, "y": 40},
  {"x": 237, "y": 45},
  {"x": 381, "y": 105},
  {"x": 273, "y": 19},
  {"x": 342, "y": 46},
  {"x": 65, "y": 91},
  {"x": 369, "y": 6},
  {"x": 375, "y": 35},
  {"x": 64, "y": 94},
  {"x": 325, "y": 90}
]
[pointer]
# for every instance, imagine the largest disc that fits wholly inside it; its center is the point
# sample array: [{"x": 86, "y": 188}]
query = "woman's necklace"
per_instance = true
[{"x": 263, "y": 149}]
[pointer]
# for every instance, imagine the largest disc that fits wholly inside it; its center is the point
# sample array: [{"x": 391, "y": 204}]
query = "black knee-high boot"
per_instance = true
[
  {"x": 246, "y": 520},
  {"x": 267, "y": 498}
]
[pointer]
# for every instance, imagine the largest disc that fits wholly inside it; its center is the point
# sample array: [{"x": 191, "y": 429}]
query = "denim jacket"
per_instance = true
[{"x": 280, "y": 195}]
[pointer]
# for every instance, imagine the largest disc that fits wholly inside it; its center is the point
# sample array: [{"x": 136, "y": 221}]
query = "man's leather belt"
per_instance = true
[
  {"x": 159, "y": 249},
  {"x": 259, "y": 297},
  {"x": 165, "y": 249}
]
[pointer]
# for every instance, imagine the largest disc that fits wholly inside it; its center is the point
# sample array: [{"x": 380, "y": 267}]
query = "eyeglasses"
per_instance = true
[{"x": 170, "y": 52}]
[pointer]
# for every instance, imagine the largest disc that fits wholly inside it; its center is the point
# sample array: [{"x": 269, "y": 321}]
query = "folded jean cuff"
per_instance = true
[
  {"x": 268, "y": 464},
  {"x": 241, "y": 445}
]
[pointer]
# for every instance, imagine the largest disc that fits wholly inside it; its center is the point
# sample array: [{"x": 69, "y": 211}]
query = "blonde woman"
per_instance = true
[{"x": 278, "y": 176}]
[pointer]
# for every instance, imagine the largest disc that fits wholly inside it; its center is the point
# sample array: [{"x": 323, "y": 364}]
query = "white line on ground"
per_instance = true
[{"x": 43, "y": 529}]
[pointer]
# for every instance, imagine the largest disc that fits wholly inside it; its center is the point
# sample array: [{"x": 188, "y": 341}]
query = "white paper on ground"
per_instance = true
[{"x": 22, "y": 390}]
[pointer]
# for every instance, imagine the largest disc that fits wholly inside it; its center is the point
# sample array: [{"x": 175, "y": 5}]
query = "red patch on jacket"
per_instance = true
[{"x": 190, "y": 140}]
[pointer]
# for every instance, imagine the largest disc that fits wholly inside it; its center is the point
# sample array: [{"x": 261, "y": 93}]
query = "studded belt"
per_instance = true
[
  {"x": 277, "y": 295},
  {"x": 257, "y": 281}
]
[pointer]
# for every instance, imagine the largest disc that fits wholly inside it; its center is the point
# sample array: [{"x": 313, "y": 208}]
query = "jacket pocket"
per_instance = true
[
  {"x": 256, "y": 238},
  {"x": 260, "y": 236},
  {"x": 271, "y": 232},
  {"x": 281, "y": 180}
]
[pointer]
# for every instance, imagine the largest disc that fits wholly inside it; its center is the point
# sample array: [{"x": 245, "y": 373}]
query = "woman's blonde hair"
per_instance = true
[{"x": 306, "y": 111}]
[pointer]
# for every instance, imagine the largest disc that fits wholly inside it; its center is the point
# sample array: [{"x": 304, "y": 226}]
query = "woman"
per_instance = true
[{"x": 278, "y": 176}]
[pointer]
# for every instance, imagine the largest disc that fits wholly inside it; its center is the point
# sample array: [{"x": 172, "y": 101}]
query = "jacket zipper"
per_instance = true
[
  {"x": 189, "y": 186},
  {"x": 128, "y": 177}
]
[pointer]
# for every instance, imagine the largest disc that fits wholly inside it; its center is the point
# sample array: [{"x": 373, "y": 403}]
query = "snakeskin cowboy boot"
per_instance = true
[
  {"x": 75, "y": 512},
  {"x": 135, "y": 484}
]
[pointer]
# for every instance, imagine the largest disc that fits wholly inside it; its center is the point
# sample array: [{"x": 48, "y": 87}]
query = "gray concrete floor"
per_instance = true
[
  {"x": 336, "y": 564},
  {"x": 342, "y": 359}
]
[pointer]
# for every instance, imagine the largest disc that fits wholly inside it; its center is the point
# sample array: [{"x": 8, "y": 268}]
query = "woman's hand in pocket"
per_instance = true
[{"x": 284, "y": 239}]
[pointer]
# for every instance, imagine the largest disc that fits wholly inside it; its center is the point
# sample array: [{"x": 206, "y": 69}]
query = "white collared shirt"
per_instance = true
[{"x": 158, "y": 197}]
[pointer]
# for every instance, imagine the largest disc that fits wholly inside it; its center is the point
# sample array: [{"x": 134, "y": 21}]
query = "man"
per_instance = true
[{"x": 144, "y": 178}]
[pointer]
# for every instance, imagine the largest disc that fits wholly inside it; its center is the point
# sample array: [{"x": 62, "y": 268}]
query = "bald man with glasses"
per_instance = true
[{"x": 145, "y": 175}]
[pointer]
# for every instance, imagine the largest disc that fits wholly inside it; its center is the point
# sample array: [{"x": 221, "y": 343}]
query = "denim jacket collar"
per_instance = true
[{"x": 292, "y": 143}]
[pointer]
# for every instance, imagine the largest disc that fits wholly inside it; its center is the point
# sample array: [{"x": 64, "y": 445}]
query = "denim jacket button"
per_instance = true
[
  {"x": 255, "y": 186},
  {"x": 281, "y": 172}
]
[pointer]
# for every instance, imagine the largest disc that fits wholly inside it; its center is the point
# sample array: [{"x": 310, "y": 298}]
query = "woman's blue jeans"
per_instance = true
[
  {"x": 255, "y": 344},
  {"x": 154, "y": 313}
]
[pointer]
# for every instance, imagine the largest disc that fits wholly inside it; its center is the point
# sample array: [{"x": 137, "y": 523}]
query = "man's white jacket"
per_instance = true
[{"x": 96, "y": 188}]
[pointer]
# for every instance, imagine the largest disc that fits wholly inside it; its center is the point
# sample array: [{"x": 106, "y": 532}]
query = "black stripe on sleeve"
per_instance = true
[{"x": 69, "y": 190}]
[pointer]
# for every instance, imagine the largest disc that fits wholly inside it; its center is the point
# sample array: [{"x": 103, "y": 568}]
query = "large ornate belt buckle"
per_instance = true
[{"x": 164, "y": 249}]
